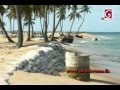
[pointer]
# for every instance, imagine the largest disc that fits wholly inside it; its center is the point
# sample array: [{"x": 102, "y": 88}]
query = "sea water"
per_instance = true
[{"x": 104, "y": 53}]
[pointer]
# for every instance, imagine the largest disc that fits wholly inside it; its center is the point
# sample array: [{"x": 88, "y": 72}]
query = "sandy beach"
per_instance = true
[
  {"x": 24, "y": 78},
  {"x": 8, "y": 53},
  {"x": 59, "y": 45}
]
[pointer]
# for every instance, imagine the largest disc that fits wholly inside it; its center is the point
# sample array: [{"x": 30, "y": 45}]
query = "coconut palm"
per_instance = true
[
  {"x": 73, "y": 15},
  {"x": 61, "y": 14},
  {"x": 11, "y": 14},
  {"x": 55, "y": 8},
  {"x": 53, "y": 23},
  {"x": 10, "y": 19},
  {"x": 3, "y": 28},
  {"x": 61, "y": 28},
  {"x": 13, "y": 31},
  {"x": 2, "y": 24},
  {"x": 2, "y": 12},
  {"x": 27, "y": 13},
  {"x": 39, "y": 13},
  {"x": 85, "y": 9},
  {"x": 46, "y": 26},
  {"x": 31, "y": 24},
  {"x": 20, "y": 32}
]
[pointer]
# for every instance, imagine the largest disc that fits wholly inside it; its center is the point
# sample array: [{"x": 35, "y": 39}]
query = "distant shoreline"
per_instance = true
[{"x": 63, "y": 32}]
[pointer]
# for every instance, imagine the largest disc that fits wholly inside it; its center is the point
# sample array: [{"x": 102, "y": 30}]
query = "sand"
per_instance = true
[
  {"x": 8, "y": 52},
  {"x": 24, "y": 78}
]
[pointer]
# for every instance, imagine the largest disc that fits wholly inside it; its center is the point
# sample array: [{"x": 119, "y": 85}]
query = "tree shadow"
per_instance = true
[
  {"x": 8, "y": 45},
  {"x": 103, "y": 81},
  {"x": 31, "y": 44}
]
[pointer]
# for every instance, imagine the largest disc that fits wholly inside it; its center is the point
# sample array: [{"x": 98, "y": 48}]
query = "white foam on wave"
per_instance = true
[
  {"x": 83, "y": 41},
  {"x": 104, "y": 37},
  {"x": 78, "y": 42}
]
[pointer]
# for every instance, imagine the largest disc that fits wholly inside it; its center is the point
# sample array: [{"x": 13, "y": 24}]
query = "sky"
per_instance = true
[{"x": 92, "y": 23}]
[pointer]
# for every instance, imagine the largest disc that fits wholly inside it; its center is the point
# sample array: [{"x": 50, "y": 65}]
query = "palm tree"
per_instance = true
[
  {"x": 46, "y": 26},
  {"x": 10, "y": 25},
  {"x": 10, "y": 20},
  {"x": 2, "y": 10},
  {"x": 61, "y": 14},
  {"x": 27, "y": 13},
  {"x": 55, "y": 7},
  {"x": 73, "y": 15},
  {"x": 11, "y": 14},
  {"x": 27, "y": 23},
  {"x": 39, "y": 11},
  {"x": 53, "y": 23},
  {"x": 3, "y": 28},
  {"x": 32, "y": 23},
  {"x": 61, "y": 27},
  {"x": 13, "y": 25},
  {"x": 85, "y": 9},
  {"x": 20, "y": 32}
]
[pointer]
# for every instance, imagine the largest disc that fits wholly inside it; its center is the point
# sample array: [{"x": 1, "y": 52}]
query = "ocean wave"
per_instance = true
[
  {"x": 105, "y": 55},
  {"x": 104, "y": 37},
  {"x": 78, "y": 44},
  {"x": 116, "y": 59},
  {"x": 83, "y": 41}
]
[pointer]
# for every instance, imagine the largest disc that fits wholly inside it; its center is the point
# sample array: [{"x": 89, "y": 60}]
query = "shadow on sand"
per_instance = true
[
  {"x": 31, "y": 44},
  {"x": 103, "y": 81}
]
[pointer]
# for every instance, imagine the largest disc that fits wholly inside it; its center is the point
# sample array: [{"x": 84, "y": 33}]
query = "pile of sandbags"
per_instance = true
[{"x": 49, "y": 59}]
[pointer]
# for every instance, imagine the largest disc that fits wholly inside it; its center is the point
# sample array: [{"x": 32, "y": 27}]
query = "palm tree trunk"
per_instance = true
[
  {"x": 52, "y": 35},
  {"x": 42, "y": 27},
  {"x": 3, "y": 28},
  {"x": 2, "y": 21},
  {"x": 61, "y": 27},
  {"x": 32, "y": 31},
  {"x": 23, "y": 25},
  {"x": 28, "y": 38},
  {"x": 51, "y": 38},
  {"x": 13, "y": 25},
  {"x": 45, "y": 33},
  {"x": 57, "y": 24},
  {"x": 81, "y": 23},
  {"x": 71, "y": 26},
  {"x": 48, "y": 20},
  {"x": 10, "y": 26},
  {"x": 20, "y": 32}
]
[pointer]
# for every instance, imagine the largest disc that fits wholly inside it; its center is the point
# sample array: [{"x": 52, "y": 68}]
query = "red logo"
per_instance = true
[{"x": 108, "y": 14}]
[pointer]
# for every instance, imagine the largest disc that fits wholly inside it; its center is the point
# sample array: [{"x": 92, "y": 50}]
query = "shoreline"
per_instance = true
[
  {"x": 96, "y": 79},
  {"x": 20, "y": 76},
  {"x": 102, "y": 57}
]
